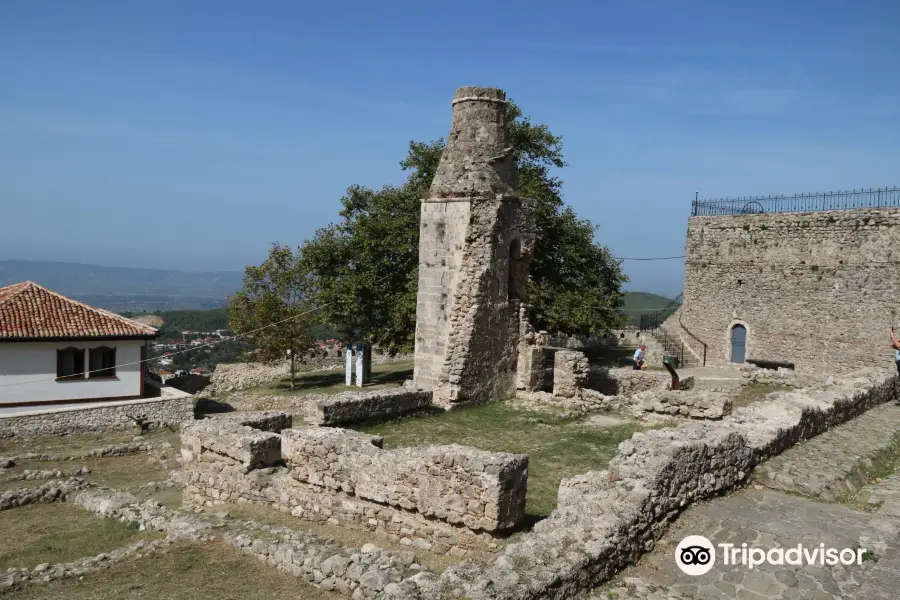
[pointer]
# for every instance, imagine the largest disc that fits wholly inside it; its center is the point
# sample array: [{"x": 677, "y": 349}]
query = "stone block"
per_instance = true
[
  {"x": 570, "y": 373},
  {"x": 461, "y": 485},
  {"x": 212, "y": 440}
]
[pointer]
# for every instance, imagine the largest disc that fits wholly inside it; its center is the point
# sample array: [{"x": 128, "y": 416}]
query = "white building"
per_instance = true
[{"x": 58, "y": 352}]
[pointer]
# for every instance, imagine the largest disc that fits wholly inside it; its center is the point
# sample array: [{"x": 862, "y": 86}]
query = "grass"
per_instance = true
[
  {"x": 755, "y": 392},
  {"x": 186, "y": 572},
  {"x": 558, "y": 447},
  {"x": 344, "y": 536},
  {"x": 126, "y": 473},
  {"x": 60, "y": 532},
  {"x": 333, "y": 382},
  {"x": 885, "y": 463},
  {"x": 69, "y": 445}
]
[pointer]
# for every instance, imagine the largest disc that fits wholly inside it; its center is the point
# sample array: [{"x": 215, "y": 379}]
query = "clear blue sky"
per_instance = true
[{"x": 191, "y": 135}]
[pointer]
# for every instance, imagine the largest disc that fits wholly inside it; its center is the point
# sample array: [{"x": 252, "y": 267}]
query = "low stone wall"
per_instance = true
[
  {"x": 753, "y": 374},
  {"x": 570, "y": 373},
  {"x": 460, "y": 485},
  {"x": 230, "y": 443},
  {"x": 377, "y": 405},
  {"x": 691, "y": 404},
  {"x": 157, "y": 412},
  {"x": 273, "y": 421},
  {"x": 448, "y": 499},
  {"x": 52, "y": 491},
  {"x": 605, "y": 520},
  {"x": 626, "y": 381}
]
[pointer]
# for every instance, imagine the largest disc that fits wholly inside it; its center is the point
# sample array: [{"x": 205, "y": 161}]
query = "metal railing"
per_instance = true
[
  {"x": 698, "y": 340},
  {"x": 812, "y": 202},
  {"x": 652, "y": 322}
]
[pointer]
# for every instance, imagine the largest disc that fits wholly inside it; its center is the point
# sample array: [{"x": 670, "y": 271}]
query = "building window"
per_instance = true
[
  {"x": 103, "y": 362},
  {"x": 70, "y": 364}
]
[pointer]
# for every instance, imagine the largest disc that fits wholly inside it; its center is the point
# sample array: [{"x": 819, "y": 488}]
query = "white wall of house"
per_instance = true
[{"x": 22, "y": 362}]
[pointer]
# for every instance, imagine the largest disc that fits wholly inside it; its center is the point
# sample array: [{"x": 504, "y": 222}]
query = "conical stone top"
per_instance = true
[{"x": 477, "y": 161}]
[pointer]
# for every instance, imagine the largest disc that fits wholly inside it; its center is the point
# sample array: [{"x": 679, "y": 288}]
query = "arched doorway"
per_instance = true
[{"x": 738, "y": 344}]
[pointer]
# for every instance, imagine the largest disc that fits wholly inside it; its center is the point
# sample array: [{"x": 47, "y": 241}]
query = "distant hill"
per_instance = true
[
  {"x": 638, "y": 302},
  {"x": 125, "y": 289}
]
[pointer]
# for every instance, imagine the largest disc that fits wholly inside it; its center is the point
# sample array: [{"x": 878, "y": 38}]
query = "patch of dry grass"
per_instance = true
[
  {"x": 60, "y": 532},
  {"x": 186, "y": 572},
  {"x": 69, "y": 445},
  {"x": 126, "y": 473},
  {"x": 344, "y": 536},
  {"x": 557, "y": 446},
  {"x": 755, "y": 392}
]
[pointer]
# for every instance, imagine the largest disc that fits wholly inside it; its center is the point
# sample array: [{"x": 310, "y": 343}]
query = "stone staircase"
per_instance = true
[{"x": 669, "y": 335}]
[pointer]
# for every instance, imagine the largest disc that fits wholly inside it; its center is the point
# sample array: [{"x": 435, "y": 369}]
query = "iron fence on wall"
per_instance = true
[{"x": 887, "y": 197}]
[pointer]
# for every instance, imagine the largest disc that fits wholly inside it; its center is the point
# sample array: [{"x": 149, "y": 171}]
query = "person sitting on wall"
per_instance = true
[
  {"x": 895, "y": 344},
  {"x": 638, "y": 359}
]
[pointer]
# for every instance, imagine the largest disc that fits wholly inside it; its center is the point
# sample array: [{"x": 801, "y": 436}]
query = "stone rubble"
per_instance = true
[
  {"x": 53, "y": 491},
  {"x": 698, "y": 404},
  {"x": 753, "y": 374},
  {"x": 31, "y": 475}
]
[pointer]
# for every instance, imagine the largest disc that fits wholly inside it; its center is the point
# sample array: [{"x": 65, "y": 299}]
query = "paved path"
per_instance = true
[
  {"x": 810, "y": 478},
  {"x": 763, "y": 518},
  {"x": 833, "y": 465}
]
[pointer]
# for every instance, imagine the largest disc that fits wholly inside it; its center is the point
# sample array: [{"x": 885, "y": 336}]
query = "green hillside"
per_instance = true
[{"x": 636, "y": 303}]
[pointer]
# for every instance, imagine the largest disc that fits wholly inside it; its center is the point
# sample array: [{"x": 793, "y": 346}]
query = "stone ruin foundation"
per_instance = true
[
  {"x": 475, "y": 247},
  {"x": 448, "y": 499}
]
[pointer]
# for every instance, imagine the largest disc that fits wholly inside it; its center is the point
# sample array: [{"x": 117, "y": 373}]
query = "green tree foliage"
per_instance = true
[
  {"x": 271, "y": 305},
  {"x": 364, "y": 269}
]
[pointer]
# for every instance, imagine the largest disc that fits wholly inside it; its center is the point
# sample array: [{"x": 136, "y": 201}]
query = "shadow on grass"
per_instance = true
[
  {"x": 207, "y": 406},
  {"x": 330, "y": 379}
]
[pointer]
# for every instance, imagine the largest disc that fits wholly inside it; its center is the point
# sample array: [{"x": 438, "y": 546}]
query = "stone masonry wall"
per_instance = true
[
  {"x": 626, "y": 381},
  {"x": 231, "y": 443},
  {"x": 158, "y": 412},
  {"x": 475, "y": 245},
  {"x": 354, "y": 407},
  {"x": 448, "y": 499},
  {"x": 460, "y": 485},
  {"x": 605, "y": 520},
  {"x": 570, "y": 373},
  {"x": 815, "y": 289},
  {"x": 699, "y": 404}
]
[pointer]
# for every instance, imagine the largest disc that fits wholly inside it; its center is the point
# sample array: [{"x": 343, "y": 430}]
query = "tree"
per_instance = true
[
  {"x": 364, "y": 269},
  {"x": 271, "y": 305}
]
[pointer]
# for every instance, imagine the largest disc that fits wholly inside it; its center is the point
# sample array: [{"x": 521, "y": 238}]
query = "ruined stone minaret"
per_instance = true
[{"x": 475, "y": 246}]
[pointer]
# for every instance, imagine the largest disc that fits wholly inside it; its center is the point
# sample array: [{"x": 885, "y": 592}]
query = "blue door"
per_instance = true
[{"x": 738, "y": 343}]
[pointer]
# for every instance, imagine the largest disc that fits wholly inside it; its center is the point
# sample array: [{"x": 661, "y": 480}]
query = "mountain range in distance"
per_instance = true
[
  {"x": 121, "y": 289},
  {"x": 134, "y": 290}
]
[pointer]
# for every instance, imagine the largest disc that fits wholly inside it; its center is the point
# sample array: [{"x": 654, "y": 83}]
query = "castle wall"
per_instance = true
[{"x": 816, "y": 289}]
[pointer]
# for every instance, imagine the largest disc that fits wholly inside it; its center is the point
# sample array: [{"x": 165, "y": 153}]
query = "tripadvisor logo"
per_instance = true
[{"x": 695, "y": 555}]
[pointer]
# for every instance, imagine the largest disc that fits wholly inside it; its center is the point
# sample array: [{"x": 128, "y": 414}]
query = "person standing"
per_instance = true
[
  {"x": 895, "y": 344},
  {"x": 639, "y": 361}
]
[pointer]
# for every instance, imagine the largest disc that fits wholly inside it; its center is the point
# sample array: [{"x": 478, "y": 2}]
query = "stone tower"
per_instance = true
[{"x": 475, "y": 246}]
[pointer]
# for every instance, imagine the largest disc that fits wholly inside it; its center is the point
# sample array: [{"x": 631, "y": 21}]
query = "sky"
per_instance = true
[{"x": 193, "y": 134}]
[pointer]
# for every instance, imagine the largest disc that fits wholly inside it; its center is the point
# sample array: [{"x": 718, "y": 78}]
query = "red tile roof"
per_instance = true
[{"x": 30, "y": 311}]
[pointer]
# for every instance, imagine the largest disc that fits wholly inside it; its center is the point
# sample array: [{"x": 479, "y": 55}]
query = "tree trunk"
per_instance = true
[{"x": 292, "y": 370}]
